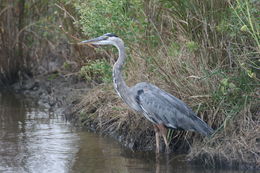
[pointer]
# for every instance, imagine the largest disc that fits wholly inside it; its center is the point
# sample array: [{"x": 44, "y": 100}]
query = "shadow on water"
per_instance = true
[{"x": 32, "y": 139}]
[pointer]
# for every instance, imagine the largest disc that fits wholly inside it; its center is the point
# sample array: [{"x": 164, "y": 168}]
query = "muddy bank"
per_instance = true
[
  {"x": 103, "y": 111},
  {"x": 53, "y": 90},
  {"x": 98, "y": 108}
]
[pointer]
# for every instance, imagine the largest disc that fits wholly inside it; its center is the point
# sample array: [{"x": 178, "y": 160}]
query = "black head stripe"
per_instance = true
[{"x": 110, "y": 35}]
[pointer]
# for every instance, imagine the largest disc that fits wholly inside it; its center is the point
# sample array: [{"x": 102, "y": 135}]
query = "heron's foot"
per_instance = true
[
  {"x": 157, "y": 151},
  {"x": 167, "y": 149},
  {"x": 157, "y": 139}
]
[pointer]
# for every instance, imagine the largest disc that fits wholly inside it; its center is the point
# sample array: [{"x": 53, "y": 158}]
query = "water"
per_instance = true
[{"x": 32, "y": 139}]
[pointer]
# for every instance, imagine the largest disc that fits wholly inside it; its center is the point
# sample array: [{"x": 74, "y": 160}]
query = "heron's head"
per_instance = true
[{"x": 106, "y": 39}]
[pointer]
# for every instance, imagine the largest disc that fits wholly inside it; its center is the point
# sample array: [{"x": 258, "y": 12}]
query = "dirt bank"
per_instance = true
[
  {"x": 103, "y": 111},
  {"x": 54, "y": 90},
  {"x": 97, "y": 107}
]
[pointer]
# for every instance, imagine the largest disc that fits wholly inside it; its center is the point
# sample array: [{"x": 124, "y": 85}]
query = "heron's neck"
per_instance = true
[
  {"x": 119, "y": 83},
  {"x": 120, "y": 86}
]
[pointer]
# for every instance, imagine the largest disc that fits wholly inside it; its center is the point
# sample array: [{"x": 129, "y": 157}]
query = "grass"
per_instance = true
[
  {"x": 235, "y": 143},
  {"x": 212, "y": 55}
]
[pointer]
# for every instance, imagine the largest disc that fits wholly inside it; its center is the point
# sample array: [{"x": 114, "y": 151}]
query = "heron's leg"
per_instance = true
[
  {"x": 157, "y": 135},
  {"x": 163, "y": 131},
  {"x": 166, "y": 143},
  {"x": 157, "y": 164},
  {"x": 157, "y": 139}
]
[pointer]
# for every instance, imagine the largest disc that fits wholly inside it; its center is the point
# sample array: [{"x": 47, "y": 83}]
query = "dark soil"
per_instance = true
[{"x": 53, "y": 90}]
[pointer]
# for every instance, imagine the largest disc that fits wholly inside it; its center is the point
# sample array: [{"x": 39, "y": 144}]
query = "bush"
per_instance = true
[
  {"x": 98, "y": 70},
  {"x": 122, "y": 17}
]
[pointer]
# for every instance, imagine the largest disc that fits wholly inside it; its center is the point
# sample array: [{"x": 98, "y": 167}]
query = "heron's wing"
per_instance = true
[{"x": 163, "y": 108}]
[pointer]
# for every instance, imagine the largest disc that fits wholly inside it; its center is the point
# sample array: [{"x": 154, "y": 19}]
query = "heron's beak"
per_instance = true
[{"x": 92, "y": 42}]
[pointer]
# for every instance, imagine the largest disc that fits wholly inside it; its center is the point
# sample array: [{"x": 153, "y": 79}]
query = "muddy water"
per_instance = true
[{"x": 33, "y": 139}]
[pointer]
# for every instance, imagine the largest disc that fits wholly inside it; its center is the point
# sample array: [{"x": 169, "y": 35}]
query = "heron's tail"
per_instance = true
[{"x": 203, "y": 128}]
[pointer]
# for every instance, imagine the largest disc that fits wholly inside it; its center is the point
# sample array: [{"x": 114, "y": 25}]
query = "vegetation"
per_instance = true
[
  {"x": 205, "y": 52},
  {"x": 27, "y": 35},
  {"x": 98, "y": 70}
]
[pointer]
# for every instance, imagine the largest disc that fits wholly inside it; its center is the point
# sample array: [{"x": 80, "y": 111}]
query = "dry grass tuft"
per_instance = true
[{"x": 237, "y": 145}]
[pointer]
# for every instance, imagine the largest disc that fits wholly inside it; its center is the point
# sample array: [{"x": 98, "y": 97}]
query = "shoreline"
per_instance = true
[{"x": 72, "y": 95}]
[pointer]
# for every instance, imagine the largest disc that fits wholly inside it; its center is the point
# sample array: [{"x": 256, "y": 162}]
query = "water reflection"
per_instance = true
[{"x": 33, "y": 139}]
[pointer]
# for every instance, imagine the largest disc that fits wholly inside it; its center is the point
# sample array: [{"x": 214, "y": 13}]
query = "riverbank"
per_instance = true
[
  {"x": 53, "y": 90},
  {"x": 98, "y": 108},
  {"x": 78, "y": 99}
]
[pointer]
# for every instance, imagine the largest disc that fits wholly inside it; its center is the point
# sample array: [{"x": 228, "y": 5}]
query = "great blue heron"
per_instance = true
[{"x": 161, "y": 108}]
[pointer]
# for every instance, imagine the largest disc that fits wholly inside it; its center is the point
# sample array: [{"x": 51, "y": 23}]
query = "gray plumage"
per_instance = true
[
  {"x": 158, "y": 106},
  {"x": 161, "y": 107}
]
